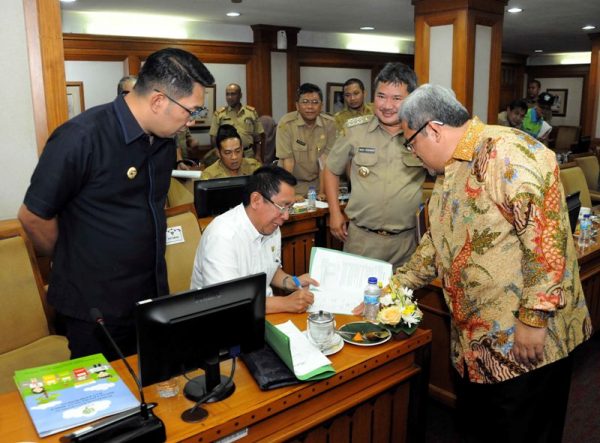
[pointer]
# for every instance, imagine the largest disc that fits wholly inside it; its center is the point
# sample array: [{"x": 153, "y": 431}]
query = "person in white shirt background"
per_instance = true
[{"x": 247, "y": 240}]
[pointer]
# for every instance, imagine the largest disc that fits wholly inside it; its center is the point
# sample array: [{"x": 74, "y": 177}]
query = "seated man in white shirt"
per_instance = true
[{"x": 246, "y": 240}]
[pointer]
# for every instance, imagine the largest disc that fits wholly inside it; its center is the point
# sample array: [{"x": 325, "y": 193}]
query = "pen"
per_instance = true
[{"x": 297, "y": 282}]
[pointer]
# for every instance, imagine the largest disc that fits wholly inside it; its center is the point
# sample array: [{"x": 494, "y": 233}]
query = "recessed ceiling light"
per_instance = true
[
  {"x": 539, "y": 50},
  {"x": 233, "y": 14},
  {"x": 515, "y": 10},
  {"x": 588, "y": 27},
  {"x": 68, "y": 1},
  {"x": 367, "y": 28}
]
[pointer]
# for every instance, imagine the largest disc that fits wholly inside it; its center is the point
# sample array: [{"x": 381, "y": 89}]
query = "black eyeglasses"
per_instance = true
[
  {"x": 194, "y": 115},
  {"x": 282, "y": 209},
  {"x": 408, "y": 143}
]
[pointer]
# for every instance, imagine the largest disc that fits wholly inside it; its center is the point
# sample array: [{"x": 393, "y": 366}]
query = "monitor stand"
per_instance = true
[{"x": 197, "y": 387}]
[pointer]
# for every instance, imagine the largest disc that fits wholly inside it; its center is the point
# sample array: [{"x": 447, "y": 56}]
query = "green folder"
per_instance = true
[{"x": 280, "y": 343}]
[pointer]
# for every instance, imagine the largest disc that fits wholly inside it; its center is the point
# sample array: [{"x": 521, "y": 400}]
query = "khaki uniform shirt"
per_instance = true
[
  {"x": 386, "y": 178},
  {"x": 218, "y": 169},
  {"x": 245, "y": 122},
  {"x": 305, "y": 145},
  {"x": 346, "y": 114},
  {"x": 500, "y": 240}
]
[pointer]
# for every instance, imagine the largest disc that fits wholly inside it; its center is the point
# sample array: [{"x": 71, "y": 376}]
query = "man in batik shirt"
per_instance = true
[{"x": 500, "y": 242}]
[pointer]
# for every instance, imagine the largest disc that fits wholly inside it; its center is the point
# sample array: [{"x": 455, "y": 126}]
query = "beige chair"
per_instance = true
[
  {"x": 26, "y": 340},
  {"x": 178, "y": 194},
  {"x": 591, "y": 170},
  {"x": 573, "y": 180},
  {"x": 180, "y": 256}
]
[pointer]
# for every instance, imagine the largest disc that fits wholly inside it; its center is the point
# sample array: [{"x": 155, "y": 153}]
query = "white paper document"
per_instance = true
[
  {"x": 186, "y": 174},
  {"x": 342, "y": 279},
  {"x": 305, "y": 356}
]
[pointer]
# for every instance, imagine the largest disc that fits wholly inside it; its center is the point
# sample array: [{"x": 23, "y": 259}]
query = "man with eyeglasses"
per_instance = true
[
  {"x": 304, "y": 138},
  {"x": 246, "y": 240},
  {"x": 245, "y": 120},
  {"x": 97, "y": 196},
  {"x": 499, "y": 240},
  {"x": 231, "y": 161},
  {"x": 386, "y": 179}
]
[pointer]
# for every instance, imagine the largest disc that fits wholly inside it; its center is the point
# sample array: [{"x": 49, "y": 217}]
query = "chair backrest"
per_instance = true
[
  {"x": 590, "y": 168},
  {"x": 22, "y": 296},
  {"x": 565, "y": 137},
  {"x": 178, "y": 194},
  {"x": 180, "y": 256},
  {"x": 573, "y": 180}
]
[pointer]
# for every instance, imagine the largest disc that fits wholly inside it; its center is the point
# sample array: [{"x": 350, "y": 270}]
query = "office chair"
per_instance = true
[
  {"x": 26, "y": 340},
  {"x": 180, "y": 256},
  {"x": 573, "y": 180},
  {"x": 591, "y": 170},
  {"x": 178, "y": 194}
]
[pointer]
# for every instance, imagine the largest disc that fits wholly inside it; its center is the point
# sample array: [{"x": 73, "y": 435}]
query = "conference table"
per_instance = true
[{"x": 377, "y": 394}]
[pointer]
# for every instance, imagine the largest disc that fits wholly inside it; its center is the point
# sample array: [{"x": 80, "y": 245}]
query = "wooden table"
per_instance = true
[
  {"x": 437, "y": 318},
  {"x": 376, "y": 392}
]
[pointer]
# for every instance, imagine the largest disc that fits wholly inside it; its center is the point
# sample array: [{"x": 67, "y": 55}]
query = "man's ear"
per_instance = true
[
  {"x": 156, "y": 101},
  {"x": 255, "y": 200},
  {"x": 435, "y": 129}
]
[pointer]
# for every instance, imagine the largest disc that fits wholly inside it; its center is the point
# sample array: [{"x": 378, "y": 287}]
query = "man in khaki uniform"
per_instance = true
[
  {"x": 245, "y": 120},
  {"x": 304, "y": 137},
  {"x": 355, "y": 106},
  {"x": 386, "y": 178},
  {"x": 231, "y": 161}
]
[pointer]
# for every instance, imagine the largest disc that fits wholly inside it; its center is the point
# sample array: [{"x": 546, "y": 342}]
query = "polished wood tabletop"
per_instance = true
[{"x": 360, "y": 371}]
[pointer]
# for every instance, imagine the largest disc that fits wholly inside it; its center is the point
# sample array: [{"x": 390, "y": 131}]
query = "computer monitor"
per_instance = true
[
  {"x": 198, "y": 329},
  {"x": 213, "y": 197},
  {"x": 573, "y": 205}
]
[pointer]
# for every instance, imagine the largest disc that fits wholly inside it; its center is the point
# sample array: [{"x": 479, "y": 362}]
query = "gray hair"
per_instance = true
[{"x": 433, "y": 102}]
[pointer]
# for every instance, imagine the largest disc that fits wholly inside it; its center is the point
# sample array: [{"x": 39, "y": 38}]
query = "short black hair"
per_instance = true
[
  {"x": 537, "y": 82},
  {"x": 267, "y": 180},
  {"x": 307, "y": 88},
  {"x": 352, "y": 81},
  {"x": 396, "y": 73},
  {"x": 518, "y": 103},
  {"x": 225, "y": 132},
  {"x": 173, "y": 71}
]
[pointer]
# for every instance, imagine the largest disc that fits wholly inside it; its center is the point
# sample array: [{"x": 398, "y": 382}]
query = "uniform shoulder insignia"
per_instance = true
[
  {"x": 252, "y": 108},
  {"x": 221, "y": 109},
  {"x": 327, "y": 116},
  {"x": 289, "y": 117},
  {"x": 358, "y": 120}
]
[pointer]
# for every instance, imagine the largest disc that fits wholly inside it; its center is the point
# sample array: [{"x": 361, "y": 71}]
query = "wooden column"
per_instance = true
[
  {"x": 259, "y": 79},
  {"x": 46, "y": 65},
  {"x": 590, "y": 123},
  {"x": 469, "y": 33},
  {"x": 293, "y": 66}
]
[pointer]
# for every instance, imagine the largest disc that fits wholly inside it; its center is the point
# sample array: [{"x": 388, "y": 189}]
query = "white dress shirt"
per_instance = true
[{"x": 231, "y": 247}]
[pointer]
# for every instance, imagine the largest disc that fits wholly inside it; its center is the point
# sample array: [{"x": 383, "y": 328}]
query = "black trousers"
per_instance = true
[
  {"x": 529, "y": 408},
  {"x": 86, "y": 338}
]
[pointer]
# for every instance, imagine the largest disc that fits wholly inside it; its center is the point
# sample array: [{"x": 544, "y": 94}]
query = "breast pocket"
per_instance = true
[
  {"x": 412, "y": 161},
  {"x": 301, "y": 152},
  {"x": 363, "y": 158}
]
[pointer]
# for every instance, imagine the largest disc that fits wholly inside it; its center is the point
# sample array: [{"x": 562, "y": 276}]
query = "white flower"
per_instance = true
[{"x": 386, "y": 300}]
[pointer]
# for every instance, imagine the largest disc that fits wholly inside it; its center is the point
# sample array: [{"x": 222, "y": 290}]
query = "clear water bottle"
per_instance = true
[
  {"x": 371, "y": 300},
  {"x": 312, "y": 199},
  {"x": 585, "y": 231}
]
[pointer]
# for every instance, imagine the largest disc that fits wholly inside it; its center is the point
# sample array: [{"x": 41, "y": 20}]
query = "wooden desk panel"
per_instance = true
[{"x": 375, "y": 392}]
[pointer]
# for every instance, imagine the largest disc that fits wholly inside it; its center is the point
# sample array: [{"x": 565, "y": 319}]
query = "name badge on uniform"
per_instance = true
[
  {"x": 300, "y": 142},
  {"x": 366, "y": 150},
  {"x": 175, "y": 235}
]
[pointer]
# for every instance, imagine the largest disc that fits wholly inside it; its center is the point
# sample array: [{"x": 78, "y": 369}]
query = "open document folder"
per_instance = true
[
  {"x": 342, "y": 279},
  {"x": 291, "y": 345}
]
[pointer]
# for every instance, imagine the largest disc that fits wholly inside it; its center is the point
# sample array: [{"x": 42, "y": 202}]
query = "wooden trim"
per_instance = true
[
  {"x": 589, "y": 123},
  {"x": 44, "y": 42}
]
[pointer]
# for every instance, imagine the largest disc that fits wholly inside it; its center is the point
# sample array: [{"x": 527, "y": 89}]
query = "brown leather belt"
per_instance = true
[{"x": 382, "y": 231}]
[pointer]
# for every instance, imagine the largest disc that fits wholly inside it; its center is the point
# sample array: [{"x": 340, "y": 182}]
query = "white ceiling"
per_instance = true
[{"x": 551, "y": 25}]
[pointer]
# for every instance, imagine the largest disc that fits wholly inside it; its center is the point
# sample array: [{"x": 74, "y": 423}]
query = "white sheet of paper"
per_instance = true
[
  {"x": 305, "y": 356},
  {"x": 342, "y": 279},
  {"x": 186, "y": 174}
]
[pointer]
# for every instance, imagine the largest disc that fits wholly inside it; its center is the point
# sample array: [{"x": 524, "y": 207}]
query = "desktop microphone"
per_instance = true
[{"x": 129, "y": 426}]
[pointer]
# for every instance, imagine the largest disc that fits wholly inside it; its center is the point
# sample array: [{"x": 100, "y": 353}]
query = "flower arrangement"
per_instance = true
[{"x": 398, "y": 312}]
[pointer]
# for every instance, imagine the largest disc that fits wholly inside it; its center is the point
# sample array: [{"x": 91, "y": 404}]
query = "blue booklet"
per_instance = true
[{"x": 72, "y": 393}]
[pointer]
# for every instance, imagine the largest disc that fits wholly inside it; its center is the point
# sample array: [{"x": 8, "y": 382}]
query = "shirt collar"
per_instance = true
[
  {"x": 374, "y": 124},
  {"x": 468, "y": 142},
  {"x": 300, "y": 121},
  {"x": 129, "y": 125},
  {"x": 249, "y": 227}
]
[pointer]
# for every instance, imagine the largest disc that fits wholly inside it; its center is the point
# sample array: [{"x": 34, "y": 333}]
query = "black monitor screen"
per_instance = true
[
  {"x": 573, "y": 205},
  {"x": 198, "y": 328},
  {"x": 213, "y": 197}
]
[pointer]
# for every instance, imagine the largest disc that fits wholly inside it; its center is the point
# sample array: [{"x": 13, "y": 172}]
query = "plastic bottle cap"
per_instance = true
[{"x": 372, "y": 280}]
